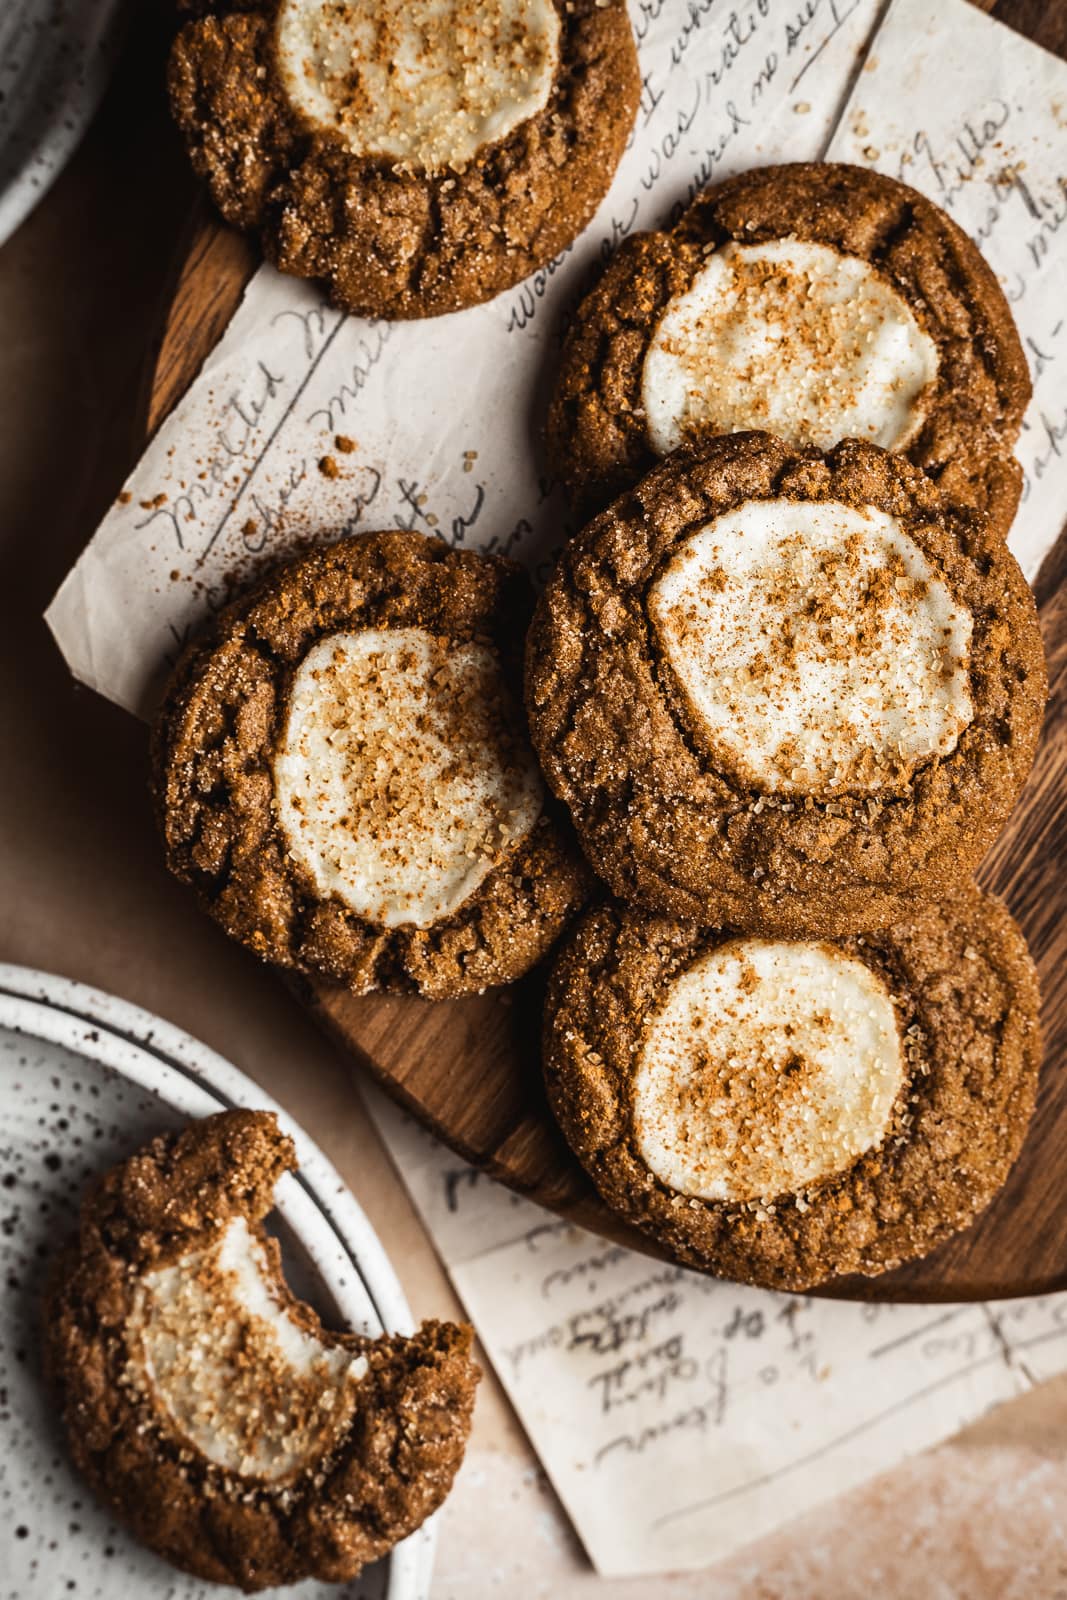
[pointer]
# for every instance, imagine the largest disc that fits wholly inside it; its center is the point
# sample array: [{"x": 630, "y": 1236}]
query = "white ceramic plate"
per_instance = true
[
  {"x": 84, "y": 1079},
  {"x": 55, "y": 60}
]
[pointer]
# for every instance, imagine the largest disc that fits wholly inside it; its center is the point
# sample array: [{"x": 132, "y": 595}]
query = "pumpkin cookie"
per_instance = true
[
  {"x": 416, "y": 158},
  {"x": 785, "y": 691},
  {"x": 820, "y": 302},
  {"x": 208, "y": 1408},
  {"x": 343, "y": 772},
  {"x": 782, "y": 1111}
]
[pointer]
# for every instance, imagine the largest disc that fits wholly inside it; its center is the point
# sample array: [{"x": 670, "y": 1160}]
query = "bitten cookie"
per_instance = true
[
  {"x": 343, "y": 772},
  {"x": 820, "y": 302},
  {"x": 784, "y": 691},
  {"x": 208, "y": 1408},
  {"x": 782, "y": 1111},
  {"x": 416, "y": 158}
]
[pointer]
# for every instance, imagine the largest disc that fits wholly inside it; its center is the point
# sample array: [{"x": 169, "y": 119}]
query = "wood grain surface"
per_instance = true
[{"x": 470, "y": 1069}]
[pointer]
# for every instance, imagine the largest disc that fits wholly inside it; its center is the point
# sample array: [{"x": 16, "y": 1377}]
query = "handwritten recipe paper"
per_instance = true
[
  {"x": 444, "y": 414},
  {"x": 976, "y": 117},
  {"x": 680, "y": 1417}
]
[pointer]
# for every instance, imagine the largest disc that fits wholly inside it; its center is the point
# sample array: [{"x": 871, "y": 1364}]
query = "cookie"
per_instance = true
[
  {"x": 783, "y": 1111},
  {"x": 785, "y": 691},
  {"x": 415, "y": 158},
  {"x": 343, "y": 772},
  {"x": 819, "y": 302},
  {"x": 208, "y": 1408}
]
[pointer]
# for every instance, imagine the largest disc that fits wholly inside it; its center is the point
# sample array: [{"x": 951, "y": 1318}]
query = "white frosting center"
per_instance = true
[
  {"x": 221, "y": 1357},
  {"x": 770, "y": 1066},
  {"x": 790, "y": 336},
  {"x": 817, "y": 646},
  {"x": 425, "y": 83},
  {"x": 400, "y": 781}
]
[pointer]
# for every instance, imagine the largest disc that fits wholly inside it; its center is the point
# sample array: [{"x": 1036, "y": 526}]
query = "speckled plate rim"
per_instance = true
[
  {"x": 56, "y": 132},
  {"x": 195, "y": 1081}
]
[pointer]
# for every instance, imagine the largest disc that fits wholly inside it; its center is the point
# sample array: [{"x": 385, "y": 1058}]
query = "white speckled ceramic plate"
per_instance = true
[
  {"x": 84, "y": 1079},
  {"x": 55, "y": 60}
]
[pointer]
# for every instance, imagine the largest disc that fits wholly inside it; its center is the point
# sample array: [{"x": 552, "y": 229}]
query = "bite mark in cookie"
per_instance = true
[
  {"x": 402, "y": 778},
  {"x": 791, "y": 336},
  {"x": 426, "y": 85},
  {"x": 820, "y": 650},
  {"x": 769, "y": 1066},
  {"x": 210, "y": 1410},
  {"x": 222, "y": 1361}
]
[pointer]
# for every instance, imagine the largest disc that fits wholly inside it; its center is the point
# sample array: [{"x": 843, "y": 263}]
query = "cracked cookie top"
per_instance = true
[
  {"x": 783, "y": 1111},
  {"x": 415, "y": 158},
  {"x": 785, "y": 691},
  {"x": 817, "y": 301},
  {"x": 210, "y": 1409},
  {"x": 343, "y": 772}
]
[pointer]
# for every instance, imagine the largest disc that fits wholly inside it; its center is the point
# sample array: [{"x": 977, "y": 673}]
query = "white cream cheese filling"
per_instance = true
[
  {"x": 220, "y": 1356},
  {"x": 400, "y": 781},
  {"x": 425, "y": 83},
  {"x": 790, "y": 336},
  {"x": 770, "y": 1066},
  {"x": 817, "y": 646}
]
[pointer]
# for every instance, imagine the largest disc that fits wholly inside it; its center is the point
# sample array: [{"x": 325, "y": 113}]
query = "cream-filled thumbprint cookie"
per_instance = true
[
  {"x": 414, "y": 157},
  {"x": 786, "y": 691},
  {"x": 344, "y": 775},
  {"x": 208, "y": 1408},
  {"x": 782, "y": 1111},
  {"x": 819, "y": 302}
]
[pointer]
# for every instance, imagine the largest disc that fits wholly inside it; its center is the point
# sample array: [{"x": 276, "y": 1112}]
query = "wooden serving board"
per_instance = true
[{"x": 469, "y": 1069}]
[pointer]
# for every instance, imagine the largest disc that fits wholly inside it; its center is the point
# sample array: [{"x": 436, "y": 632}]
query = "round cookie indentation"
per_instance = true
[
  {"x": 949, "y": 1060},
  {"x": 427, "y": 83},
  {"x": 793, "y": 336},
  {"x": 606, "y": 428},
  {"x": 400, "y": 780},
  {"x": 413, "y": 159},
  {"x": 223, "y": 1361},
  {"x": 672, "y": 819},
  {"x": 817, "y": 646},
  {"x": 769, "y": 1067}
]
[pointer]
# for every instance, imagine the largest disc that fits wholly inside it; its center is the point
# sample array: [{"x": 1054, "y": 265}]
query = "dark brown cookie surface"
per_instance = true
[
  {"x": 759, "y": 721},
  {"x": 784, "y": 1112},
  {"x": 210, "y": 1410},
  {"x": 403, "y": 205},
  {"x": 343, "y": 772},
  {"x": 812, "y": 272}
]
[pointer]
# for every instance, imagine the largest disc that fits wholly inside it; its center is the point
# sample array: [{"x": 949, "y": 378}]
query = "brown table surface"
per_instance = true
[{"x": 82, "y": 892}]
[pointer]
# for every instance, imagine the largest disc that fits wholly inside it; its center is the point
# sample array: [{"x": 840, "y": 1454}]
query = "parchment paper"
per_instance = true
[
  {"x": 680, "y": 1417},
  {"x": 975, "y": 116}
]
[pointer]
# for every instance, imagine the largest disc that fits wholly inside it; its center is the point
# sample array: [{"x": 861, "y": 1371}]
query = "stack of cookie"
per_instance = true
[
  {"x": 789, "y": 684},
  {"x": 784, "y": 688}
]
